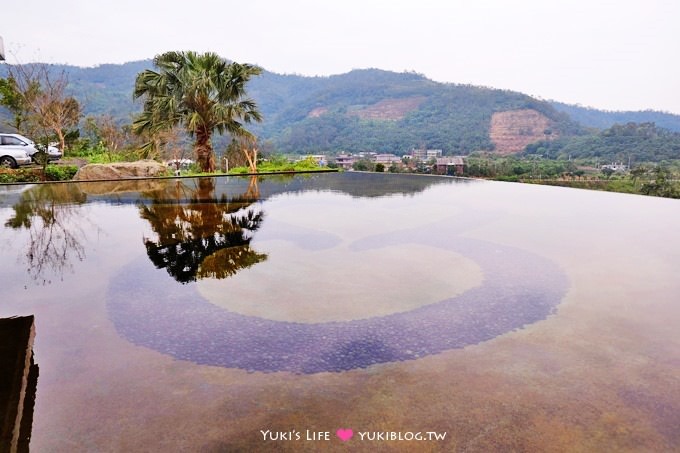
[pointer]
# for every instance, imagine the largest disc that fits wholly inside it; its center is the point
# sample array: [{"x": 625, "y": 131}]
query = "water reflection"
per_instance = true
[
  {"x": 519, "y": 288},
  {"x": 51, "y": 215},
  {"x": 202, "y": 229},
  {"x": 356, "y": 185},
  {"x": 199, "y": 235},
  {"x": 600, "y": 374}
]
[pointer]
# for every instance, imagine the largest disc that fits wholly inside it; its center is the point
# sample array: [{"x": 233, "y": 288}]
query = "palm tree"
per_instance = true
[{"x": 202, "y": 92}]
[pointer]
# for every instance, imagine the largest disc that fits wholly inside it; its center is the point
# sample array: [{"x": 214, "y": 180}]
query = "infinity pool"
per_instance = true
[{"x": 362, "y": 312}]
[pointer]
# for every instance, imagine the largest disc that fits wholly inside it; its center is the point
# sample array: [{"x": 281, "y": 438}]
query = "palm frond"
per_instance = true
[{"x": 202, "y": 92}]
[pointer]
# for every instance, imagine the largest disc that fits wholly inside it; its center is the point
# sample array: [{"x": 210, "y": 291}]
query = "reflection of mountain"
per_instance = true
[
  {"x": 48, "y": 212},
  {"x": 370, "y": 185},
  {"x": 351, "y": 183},
  {"x": 198, "y": 235},
  {"x": 354, "y": 184},
  {"x": 203, "y": 229}
]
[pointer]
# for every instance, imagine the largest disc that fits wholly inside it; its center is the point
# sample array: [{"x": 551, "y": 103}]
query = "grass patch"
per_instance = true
[
  {"x": 623, "y": 185},
  {"x": 60, "y": 172},
  {"x": 8, "y": 175},
  {"x": 278, "y": 165},
  {"x": 100, "y": 155},
  {"x": 28, "y": 175}
]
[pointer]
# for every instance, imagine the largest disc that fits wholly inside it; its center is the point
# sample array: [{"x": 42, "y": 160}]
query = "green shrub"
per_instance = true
[
  {"x": 7, "y": 178},
  {"x": 60, "y": 172},
  {"x": 507, "y": 178},
  {"x": 8, "y": 175},
  {"x": 279, "y": 164},
  {"x": 363, "y": 165},
  {"x": 99, "y": 154},
  {"x": 239, "y": 170}
]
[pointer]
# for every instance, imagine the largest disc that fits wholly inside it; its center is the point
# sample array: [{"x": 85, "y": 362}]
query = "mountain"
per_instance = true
[
  {"x": 104, "y": 89},
  {"x": 384, "y": 111},
  {"x": 376, "y": 110},
  {"x": 603, "y": 119},
  {"x": 630, "y": 142}
]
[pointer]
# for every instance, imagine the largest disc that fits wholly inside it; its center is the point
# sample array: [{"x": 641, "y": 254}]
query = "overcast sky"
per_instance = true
[{"x": 615, "y": 55}]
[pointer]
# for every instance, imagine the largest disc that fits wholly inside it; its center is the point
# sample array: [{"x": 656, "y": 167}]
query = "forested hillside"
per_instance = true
[
  {"x": 383, "y": 111},
  {"x": 643, "y": 142},
  {"x": 363, "y": 110},
  {"x": 602, "y": 119},
  {"x": 391, "y": 112}
]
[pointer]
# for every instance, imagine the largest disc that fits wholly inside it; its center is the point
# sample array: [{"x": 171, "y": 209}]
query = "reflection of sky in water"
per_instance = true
[
  {"x": 513, "y": 288},
  {"x": 341, "y": 283}
]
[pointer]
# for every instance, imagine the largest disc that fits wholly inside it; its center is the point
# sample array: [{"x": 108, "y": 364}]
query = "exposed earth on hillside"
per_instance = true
[
  {"x": 386, "y": 110},
  {"x": 317, "y": 112},
  {"x": 389, "y": 109},
  {"x": 512, "y": 130}
]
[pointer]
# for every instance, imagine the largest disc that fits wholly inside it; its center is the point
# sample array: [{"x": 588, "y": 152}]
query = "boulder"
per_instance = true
[{"x": 121, "y": 170}]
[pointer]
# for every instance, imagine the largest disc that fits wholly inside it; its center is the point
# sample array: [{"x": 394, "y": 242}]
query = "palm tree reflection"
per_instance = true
[{"x": 199, "y": 236}]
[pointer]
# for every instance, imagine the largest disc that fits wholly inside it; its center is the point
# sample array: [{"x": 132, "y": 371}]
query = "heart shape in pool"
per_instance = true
[{"x": 519, "y": 288}]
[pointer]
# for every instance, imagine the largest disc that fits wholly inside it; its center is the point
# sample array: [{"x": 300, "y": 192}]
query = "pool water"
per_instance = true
[{"x": 209, "y": 314}]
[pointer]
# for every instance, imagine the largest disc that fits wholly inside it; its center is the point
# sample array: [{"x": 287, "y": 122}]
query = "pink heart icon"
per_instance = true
[{"x": 344, "y": 434}]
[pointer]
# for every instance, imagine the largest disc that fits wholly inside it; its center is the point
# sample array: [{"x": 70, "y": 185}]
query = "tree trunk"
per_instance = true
[
  {"x": 204, "y": 151},
  {"x": 251, "y": 155},
  {"x": 253, "y": 192},
  {"x": 62, "y": 142}
]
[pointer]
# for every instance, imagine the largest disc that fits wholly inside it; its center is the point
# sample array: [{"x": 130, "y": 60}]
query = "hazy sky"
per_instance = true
[{"x": 616, "y": 55}]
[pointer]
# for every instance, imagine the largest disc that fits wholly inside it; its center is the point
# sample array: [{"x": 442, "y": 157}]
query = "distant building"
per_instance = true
[
  {"x": 452, "y": 165},
  {"x": 426, "y": 154},
  {"x": 433, "y": 153},
  {"x": 616, "y": 167},
  {"x": 345, "y": 161},
  {"x": 387, "y": 159}
]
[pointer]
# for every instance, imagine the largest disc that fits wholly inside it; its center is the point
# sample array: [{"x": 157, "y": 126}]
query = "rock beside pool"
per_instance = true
[{"x": 121, "y": 170}]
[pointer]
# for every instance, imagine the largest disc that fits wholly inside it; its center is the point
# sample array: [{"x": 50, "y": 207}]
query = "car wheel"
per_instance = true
[{"x": 8, "y": 162}]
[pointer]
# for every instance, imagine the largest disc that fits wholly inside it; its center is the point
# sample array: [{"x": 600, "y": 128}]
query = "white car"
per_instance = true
[
  {"x": 11, "y": 154},
  {"x": 19, "y": 142}
]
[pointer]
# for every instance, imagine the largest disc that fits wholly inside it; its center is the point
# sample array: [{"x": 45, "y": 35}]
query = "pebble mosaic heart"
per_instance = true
[{"x": 519, "y": 288}]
